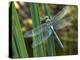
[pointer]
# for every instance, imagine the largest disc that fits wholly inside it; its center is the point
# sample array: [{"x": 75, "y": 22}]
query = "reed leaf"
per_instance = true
[
  {"x": 19, "y": 39},
  {"x": 37, "y": 51},
  {"x": 14, "y": 49}
]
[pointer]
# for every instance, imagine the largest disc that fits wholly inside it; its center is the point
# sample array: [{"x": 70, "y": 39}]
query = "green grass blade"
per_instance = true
[
  {"x": 14, "y": 49},
  {"x": 51, "y": 43},
  {"x": 38, "y": 51},
  {"x": 19, "y": 39}
]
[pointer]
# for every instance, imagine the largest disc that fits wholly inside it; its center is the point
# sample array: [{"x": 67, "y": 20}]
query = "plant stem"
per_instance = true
[
  {"x": 19, "y": 39},
  {"x": 37, "y": 51}
]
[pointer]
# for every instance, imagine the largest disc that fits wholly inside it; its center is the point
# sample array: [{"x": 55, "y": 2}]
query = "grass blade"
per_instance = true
[
  {"x": 14, "y": 51},
  {"x": 37, "y": 51},
  {"x": 19, "y": 39}
]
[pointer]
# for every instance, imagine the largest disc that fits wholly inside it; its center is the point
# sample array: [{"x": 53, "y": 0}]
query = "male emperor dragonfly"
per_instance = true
[{"x": 51, "y": 25}]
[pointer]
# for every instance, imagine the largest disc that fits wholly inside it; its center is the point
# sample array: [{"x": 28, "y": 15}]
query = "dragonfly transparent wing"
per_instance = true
[
  {"x": 43, "y": 30},
  {"x": 63, "y": 23},
  {"x": 66, "y": 10},
  {"x": 40, "y": 29},
  {"x": 58, "y": 21}
]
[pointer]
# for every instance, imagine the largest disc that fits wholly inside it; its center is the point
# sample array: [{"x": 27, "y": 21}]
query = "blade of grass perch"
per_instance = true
[
  {"x": 14, "y": 49},
  {"x": 37, "y": 51},
  {"x": 51, "y": 43},
  {"x": 19, "y": 39}
]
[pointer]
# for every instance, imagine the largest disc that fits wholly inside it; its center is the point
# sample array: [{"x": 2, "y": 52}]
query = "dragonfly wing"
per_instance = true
[
  {"x": 63, "y": 23},
  {"x": 43, "y": 31},
  {"x": 37, "y": 31},
  {"x": 59, "y": 16},
  {"x": 45, "y": 34},
  {"x": 66, "y": 10}
]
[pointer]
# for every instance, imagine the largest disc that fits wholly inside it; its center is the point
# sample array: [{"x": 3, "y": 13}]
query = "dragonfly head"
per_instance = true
[
  {"x": 45, "y": 19},
  {"x": 48, "y": 20}
]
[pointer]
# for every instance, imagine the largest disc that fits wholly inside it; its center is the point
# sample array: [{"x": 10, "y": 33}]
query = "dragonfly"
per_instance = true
[{"x": 50, "y": 26}]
